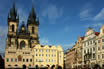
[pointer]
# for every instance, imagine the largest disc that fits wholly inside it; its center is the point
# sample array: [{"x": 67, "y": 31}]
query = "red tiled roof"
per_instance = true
[
  {"x": 82, "y": 38},
  {"x": 96, "y": 33}
]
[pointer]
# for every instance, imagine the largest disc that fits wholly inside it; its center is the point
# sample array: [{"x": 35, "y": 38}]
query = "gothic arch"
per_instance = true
[{"x": 22, "y": 44}]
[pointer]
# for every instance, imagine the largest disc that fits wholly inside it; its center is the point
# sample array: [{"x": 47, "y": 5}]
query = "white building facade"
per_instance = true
[{"x": 89, "y": 48}]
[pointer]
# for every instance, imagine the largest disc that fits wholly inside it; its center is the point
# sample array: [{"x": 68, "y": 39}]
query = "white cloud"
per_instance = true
[
  {"x": 100, "y": 15},
  {"x": 94, "y": 25},
  {"x": 53, "y": 13},
  {"x": 85, "y": 13}
]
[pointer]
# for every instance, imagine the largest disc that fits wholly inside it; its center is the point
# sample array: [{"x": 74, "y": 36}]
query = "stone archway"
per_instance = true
[
  {"x": 24, "y": 66},
  {"x": 53, "y": 67},
  {"x": 59, "y": 67},
  {"x": 37, "y": 66}
]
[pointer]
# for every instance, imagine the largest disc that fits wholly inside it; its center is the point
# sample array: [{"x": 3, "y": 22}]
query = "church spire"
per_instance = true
[
  {"x": 32, "y": 15},
  {"x": 13, "y": 13}
]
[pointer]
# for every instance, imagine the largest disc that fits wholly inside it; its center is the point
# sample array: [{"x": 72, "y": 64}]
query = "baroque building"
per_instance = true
[
  {"x": 100, "y": 47},
  {"x": 22, "y": 44},
  {"x": 89, "y": 48},
  {"x": 78, "y": 52},
  {"x": 69, "y": 58}
]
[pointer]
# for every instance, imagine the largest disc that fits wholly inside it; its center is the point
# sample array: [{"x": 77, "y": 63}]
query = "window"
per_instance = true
[
  {"x": 7, "y": 59},
  {"x": 93, "y": 55},
  {"x": 93, "y": 41},
  {"x": 42, "y": 54},
  {"x": 22, "y": 44},
  {"x": 39, "y": 54},
  {"x": 49, "y": 50},
  {"x": 93, "y": 48},
  {"x": 42, "y": 50},
  {"x": 32, "y": 30},
  {"x": 90, "y": 42},
  {"x": 49, "y": 55},
  {"x": 85, "y": 51},
  {"x": 98, "y": 48},
  {"x": 102, "y": 47},
  {"x": 90, "y": 49},
  {"x": 11, "y": 59},
  {"x": 102, "y": 40},
  {"x": 98, "y": 41},
  {"x": 49, "y": 60},
  {"x": 23, "y": 60},
  {"x": 46, "y": 54},
  {"x": 15, "y": 59},
  {"x": 36, "y": 54},
  {"x": 98, "y": 56},
  {"x": 30, "y": 60},
  {"x": 36, "y": 50},
  {"x": 36, "y": 60},
  {"x": 26, "y": 60},
  {"x": 46, "y": 50},
  {"x": 12, "y": 28},
  {"x": 52, "y": 60},
  {"x": 102, "y": 55}
]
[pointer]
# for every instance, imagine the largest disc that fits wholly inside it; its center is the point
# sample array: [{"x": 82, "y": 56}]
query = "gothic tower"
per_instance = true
[
  {"x": 13, "y": 20},
  {"x": 32, "y": 25}
]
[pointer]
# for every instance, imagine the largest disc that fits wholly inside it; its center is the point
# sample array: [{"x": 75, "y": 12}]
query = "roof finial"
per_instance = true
[
  {"x": 32, "y": 3},
  {"x": 13, "y": 3}
]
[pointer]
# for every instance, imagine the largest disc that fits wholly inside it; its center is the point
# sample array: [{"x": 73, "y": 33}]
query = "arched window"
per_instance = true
[
  {"x": 32, "y": 30},
  {"x": 22, "y": 44},
  {"x": 12, "y": 28}
]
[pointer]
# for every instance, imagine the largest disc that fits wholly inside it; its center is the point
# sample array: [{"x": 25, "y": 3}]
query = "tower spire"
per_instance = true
[
  {"x": 32, "y": 15},
  {"x": 13, "y": 13}
]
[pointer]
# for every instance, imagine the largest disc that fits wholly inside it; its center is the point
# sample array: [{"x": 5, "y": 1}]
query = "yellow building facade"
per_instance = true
[
  {"x": 78, "y": 52},
  {"x": 23, "y": 47}
]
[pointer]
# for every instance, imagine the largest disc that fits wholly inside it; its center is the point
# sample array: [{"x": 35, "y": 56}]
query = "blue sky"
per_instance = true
[{"x": 61, "y": 21}]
